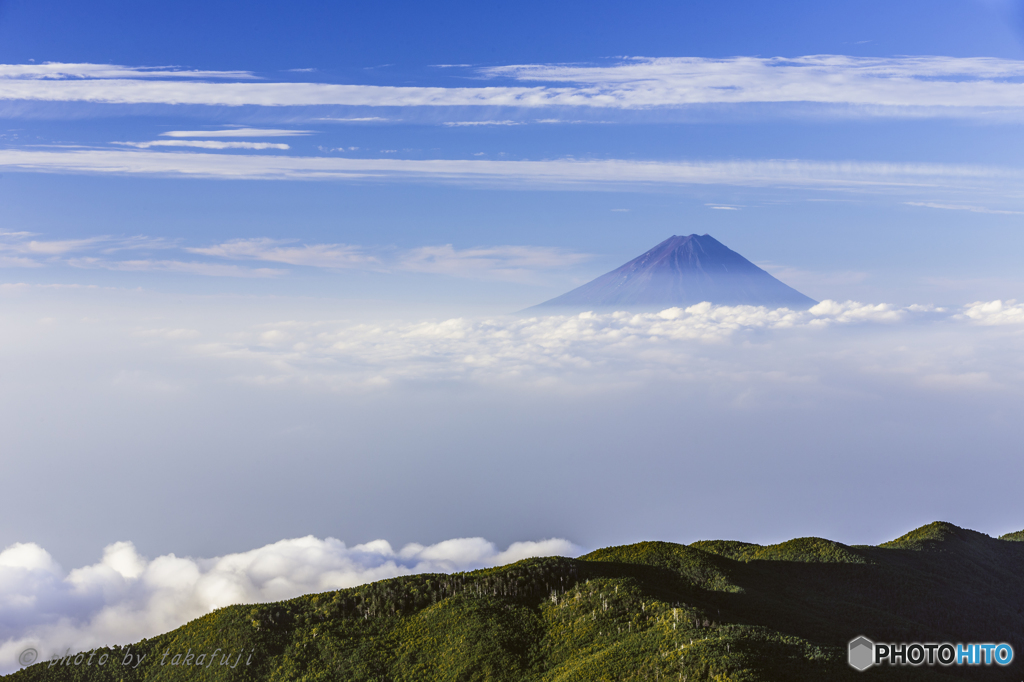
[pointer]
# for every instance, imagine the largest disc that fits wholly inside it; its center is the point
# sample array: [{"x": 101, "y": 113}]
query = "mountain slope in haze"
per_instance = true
[
  {"x": 680, "y": 272},
  {"x": 714, "y": 610}
]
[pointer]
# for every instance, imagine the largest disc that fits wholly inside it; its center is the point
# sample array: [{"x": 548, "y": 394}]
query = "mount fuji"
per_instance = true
[{"x": 681, "y": 271}]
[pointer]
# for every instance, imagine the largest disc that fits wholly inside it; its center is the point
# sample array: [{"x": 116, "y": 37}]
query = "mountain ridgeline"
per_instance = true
[
  {"x": 712, "y": 610},
  {"x": 680, "y": 272}
]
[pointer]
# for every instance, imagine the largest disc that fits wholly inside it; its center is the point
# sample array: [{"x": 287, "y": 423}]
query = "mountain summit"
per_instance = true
[{"x": 682, "y": 271}]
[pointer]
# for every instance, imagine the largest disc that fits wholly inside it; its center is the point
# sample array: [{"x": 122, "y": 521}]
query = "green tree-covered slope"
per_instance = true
[{"x": 650, "y": 611}]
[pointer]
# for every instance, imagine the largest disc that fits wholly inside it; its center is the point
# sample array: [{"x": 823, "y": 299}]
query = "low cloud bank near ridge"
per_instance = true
[{"x": 126, "y": 597}]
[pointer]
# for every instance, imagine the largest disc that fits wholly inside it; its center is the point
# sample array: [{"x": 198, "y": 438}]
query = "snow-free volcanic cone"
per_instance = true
[{"x": 681, "y": 271}]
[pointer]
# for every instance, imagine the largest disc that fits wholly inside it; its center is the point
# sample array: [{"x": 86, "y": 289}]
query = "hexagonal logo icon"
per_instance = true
[{"x": 862, "y": 653}]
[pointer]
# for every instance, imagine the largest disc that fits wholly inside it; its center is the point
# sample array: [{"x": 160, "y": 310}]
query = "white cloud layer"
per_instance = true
[
  {"x": 587, "y": 348},
  {"x": 935, "y": 84},
  {"x": 126, "y": 597},
  {"x": 791, "y": 173}
]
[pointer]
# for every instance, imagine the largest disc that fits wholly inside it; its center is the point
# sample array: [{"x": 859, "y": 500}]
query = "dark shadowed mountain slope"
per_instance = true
[
  {"x": 681, "y": 271},
  {"x": 713, "y": 610}
]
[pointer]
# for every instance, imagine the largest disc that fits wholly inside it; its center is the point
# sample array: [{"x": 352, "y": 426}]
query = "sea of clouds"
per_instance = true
[{"x": 598, "y": 427}]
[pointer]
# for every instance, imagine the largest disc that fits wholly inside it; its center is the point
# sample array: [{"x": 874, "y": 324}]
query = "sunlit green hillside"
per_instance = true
[{"x": 651, "y": 611}]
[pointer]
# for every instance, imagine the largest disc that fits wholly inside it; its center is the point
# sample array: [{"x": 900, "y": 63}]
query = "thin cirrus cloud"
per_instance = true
[
  {"x": 176, "y": 266},
  {"x": 511, "y": 263},
  {"x": 59, "y": 71},
  {"x": 961, "y": 207},
  {"x": 469, "y": 124},
  {"x": 32, "y": 247},
  {"x": 23, "y": 244},
  {"x": 237, "y": 132},
  {"x": 355, "y": 119},
  {"x": 205, "y": 144},
  {"x": 278, "y": 251},
  {"x": 550, "y": 174},
  {"x": 508, "y": 263},
  {"x": 126, "y": 597},
  {"x": 19, "y": 249},
  {"x": 878, "y": 86}
]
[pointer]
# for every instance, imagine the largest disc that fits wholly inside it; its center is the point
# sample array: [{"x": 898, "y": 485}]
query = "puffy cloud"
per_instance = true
[
  {"x": 831, "y": 311},
  {"x": 995, "y": 312},
  {"x": 588, "y": 347},
  {"x": 125, "y": 597}
]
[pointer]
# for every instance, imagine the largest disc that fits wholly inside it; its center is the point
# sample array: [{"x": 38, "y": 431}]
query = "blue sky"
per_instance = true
[
  {"x": 643, "y": 89},
  {"x": 258, "y": 260}
]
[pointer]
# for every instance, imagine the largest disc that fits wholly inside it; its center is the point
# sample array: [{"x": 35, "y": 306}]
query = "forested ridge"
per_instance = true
[{"x": 712, "y": 610}]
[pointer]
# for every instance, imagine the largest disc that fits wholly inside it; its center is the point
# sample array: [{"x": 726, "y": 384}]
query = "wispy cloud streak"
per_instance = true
[
  {"x": 60, "y": 71},
  {"x": 751, "y": 173},
  {"x": 177, "y": 266},
  {"x": 961, "y": 207},
  {"x": 205, "y": 144},
  {"x": 237, "y": 132},
  {"x": 509, "y": 262},
  {"x": 314, "y": 255},
  {"x": 512, "y": 263}
]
